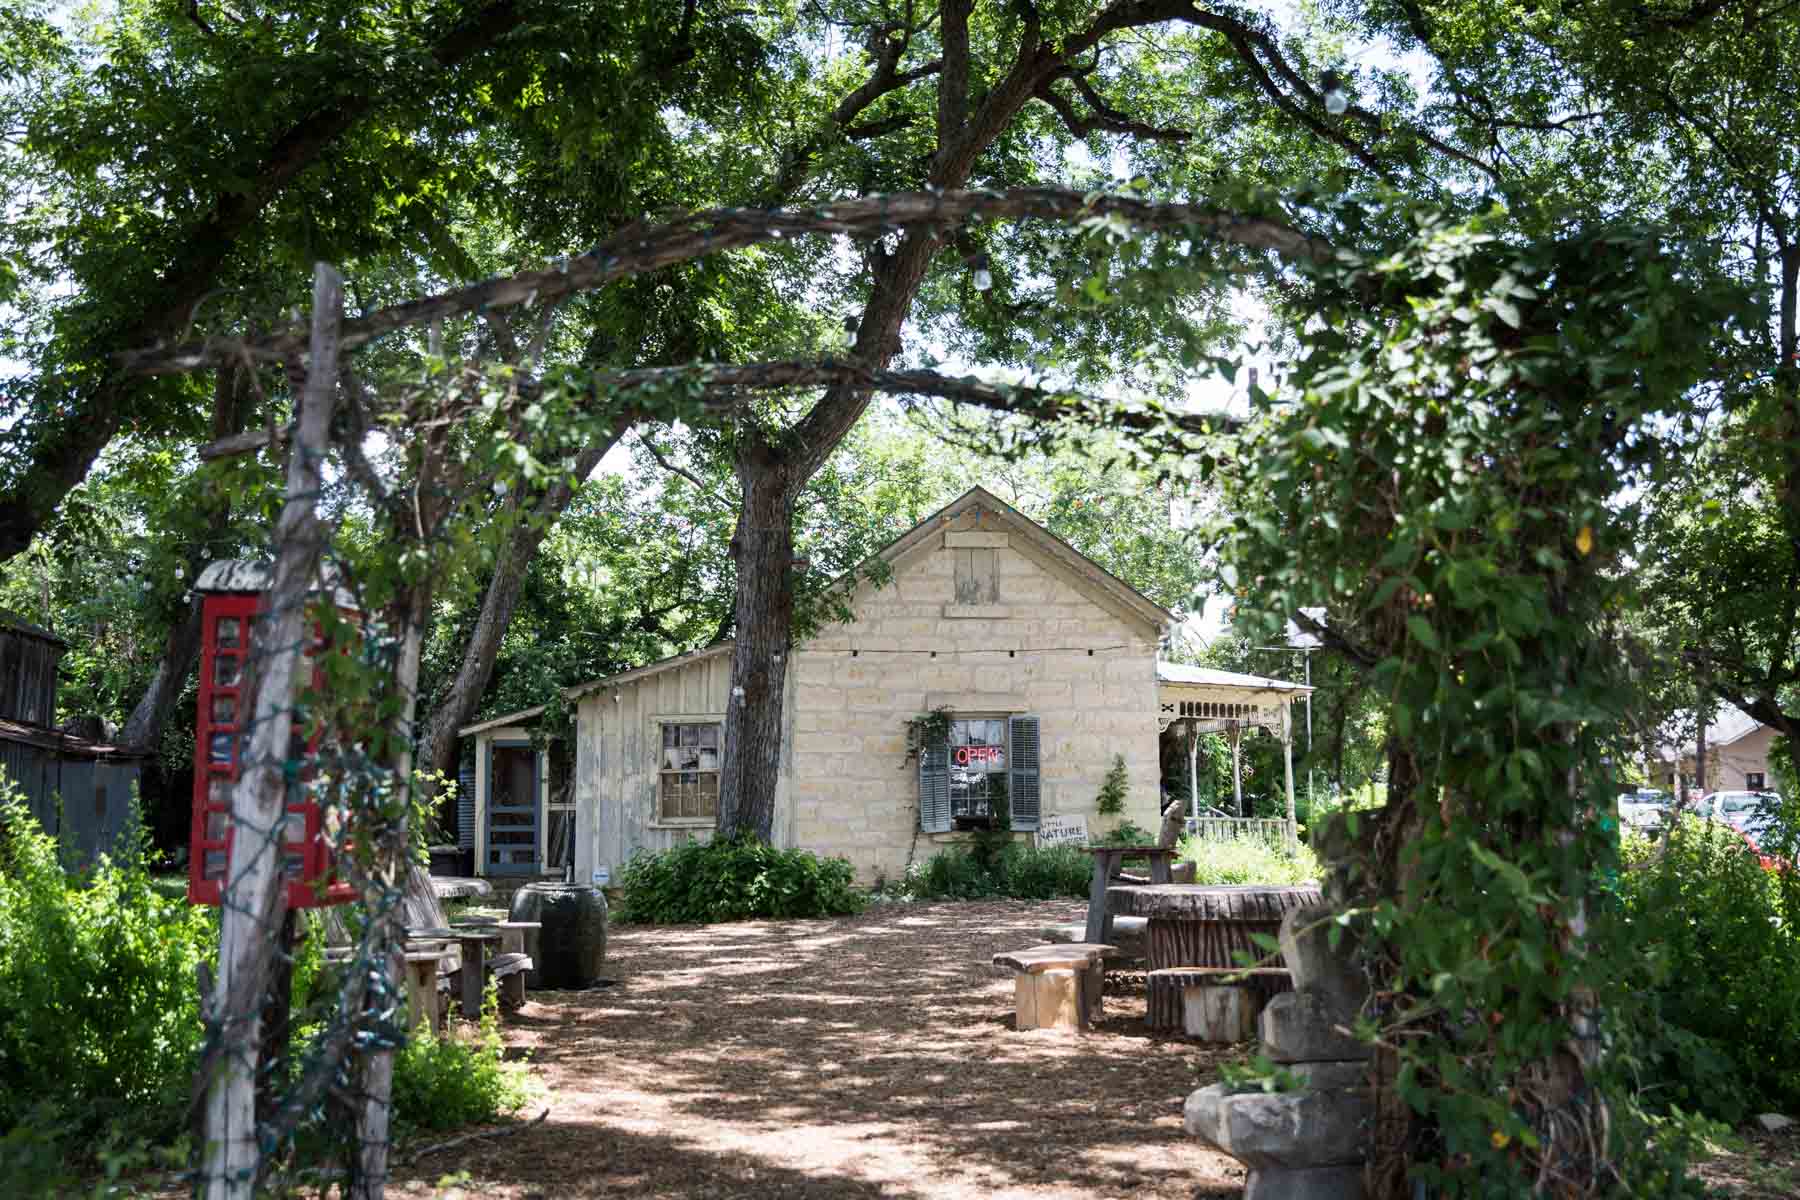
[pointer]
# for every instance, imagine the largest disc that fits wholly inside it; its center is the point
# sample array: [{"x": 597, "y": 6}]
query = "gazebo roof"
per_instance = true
[
  {"x": 1181, "y": 673},
  {"x": 1210, "y": 699}
]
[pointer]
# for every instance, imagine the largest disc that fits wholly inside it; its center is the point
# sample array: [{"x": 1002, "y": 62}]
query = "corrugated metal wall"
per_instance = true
[{"x": 95, "y": 795}]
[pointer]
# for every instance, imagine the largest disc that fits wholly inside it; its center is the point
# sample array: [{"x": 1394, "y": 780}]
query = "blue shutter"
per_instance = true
[
  {"x": 465, "y": 805},
  {"x": 1022, "y": 772},
  {"x": 934, "y": 788}
]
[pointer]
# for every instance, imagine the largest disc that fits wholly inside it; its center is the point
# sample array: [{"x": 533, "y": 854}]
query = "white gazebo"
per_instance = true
[{"x": 1206, "y": 700}]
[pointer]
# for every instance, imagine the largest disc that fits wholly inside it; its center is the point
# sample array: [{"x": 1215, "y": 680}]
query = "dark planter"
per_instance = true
[
  {"x": 568, "y": 952},
  {"x": 446, "y": 860}
]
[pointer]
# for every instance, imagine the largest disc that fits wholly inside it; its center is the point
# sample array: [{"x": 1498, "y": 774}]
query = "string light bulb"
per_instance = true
[
  {"x": 981, "y": 273},
  {"x": 1337, "y": 100}
]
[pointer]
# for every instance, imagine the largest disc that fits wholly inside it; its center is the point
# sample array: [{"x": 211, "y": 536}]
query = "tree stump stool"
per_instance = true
[
  {"x": 1057, "y": 986},
  {"x": 1219, "y": 1004}
]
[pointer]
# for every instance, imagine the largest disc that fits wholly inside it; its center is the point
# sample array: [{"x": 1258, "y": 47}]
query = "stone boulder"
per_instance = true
[
  {"x": 1287, "y": 1130},
  {"x": 1301, "y": 1027},
  {"x": 1320, "y": 969}
]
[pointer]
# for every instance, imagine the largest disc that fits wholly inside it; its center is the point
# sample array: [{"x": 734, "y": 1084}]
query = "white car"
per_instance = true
[
  {"x": 1737, "y": 808},
  {"x": 1643, "y": 808}
]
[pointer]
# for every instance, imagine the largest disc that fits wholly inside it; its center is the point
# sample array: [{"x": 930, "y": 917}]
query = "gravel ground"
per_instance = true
[{"x": 862, "y": 1057}]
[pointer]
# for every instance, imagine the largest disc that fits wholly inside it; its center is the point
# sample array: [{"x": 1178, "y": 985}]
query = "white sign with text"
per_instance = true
[{"x": 1062, "y": 831}]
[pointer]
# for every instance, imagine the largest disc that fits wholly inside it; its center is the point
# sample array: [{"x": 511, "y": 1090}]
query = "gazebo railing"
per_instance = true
[{"x": 1223, "y": 829}]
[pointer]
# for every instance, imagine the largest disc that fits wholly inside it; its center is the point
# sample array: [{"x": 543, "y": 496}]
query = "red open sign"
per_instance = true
[{"x": 965, "y": 756}]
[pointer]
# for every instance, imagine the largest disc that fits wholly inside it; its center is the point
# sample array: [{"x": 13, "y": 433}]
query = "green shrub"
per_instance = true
[
  {"x": 457, "y": 1080},
  {"x": 735, "y": 880},
  {"x": 1720, "y": 939},
  {"x": 1018, "y": 872},
  {"x": 1110, "y": 801},
  {"x": 1128, "y": 834},
  {"x": 98, "y": 986},
  {"x": 1248, "y": 860}
]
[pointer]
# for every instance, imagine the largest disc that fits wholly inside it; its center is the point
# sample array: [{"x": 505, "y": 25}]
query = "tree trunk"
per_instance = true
[
  {"x": 254, "y": 900},
  {"x": 763, "y": 547},
  {"x": 232, "y": 397},
  {"x": 438, "y": 747},
  {"x": 374, "y": 1120}
]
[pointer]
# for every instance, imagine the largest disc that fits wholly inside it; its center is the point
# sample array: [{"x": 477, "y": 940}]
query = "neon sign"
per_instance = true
[{"x": 965, "y": 756}]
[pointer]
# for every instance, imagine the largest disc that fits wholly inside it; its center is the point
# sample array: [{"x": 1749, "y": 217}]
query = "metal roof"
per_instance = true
[
  {"x": 14, "y": 623},
  {"x": 594, "y": 685},
  {"x": 1181, "y": 673}
]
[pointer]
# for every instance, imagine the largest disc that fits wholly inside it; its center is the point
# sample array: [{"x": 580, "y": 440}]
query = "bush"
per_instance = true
[
  {"x": 1248, "y": 860},
  {"x": 458, "y": 1080},
  {"x": 1018, "y": 872},
  {"x": 97, "y": 983},
  {"x": 735, "y": 880},
  {"x": 1720, "y": 937},
  {"x": 1127, "y": 834}
]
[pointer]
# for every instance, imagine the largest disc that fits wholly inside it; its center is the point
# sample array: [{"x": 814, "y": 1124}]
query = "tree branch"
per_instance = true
[
  {"x": 1105, "y": 117},
  {"x": 700, "y": 234},
  {"x": 953, "y": 84}
]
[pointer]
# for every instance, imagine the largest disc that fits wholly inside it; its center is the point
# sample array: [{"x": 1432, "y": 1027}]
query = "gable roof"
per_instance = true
[
  {"x": 978, "y": 500},
  {"x": 985, "y": 504},
  {"x": 1730, "y": 724}
]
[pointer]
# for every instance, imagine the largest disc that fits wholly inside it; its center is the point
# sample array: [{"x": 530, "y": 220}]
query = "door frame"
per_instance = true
[{"x": 536, "y": 808}]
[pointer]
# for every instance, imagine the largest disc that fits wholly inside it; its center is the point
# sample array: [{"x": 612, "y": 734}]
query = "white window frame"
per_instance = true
[{"x": 657, "y": 725}]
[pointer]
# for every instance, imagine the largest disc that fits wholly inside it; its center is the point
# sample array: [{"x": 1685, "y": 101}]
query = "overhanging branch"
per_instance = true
[
  {"x": 642, "y": 250},
  {"x": 723, "y": 386}
]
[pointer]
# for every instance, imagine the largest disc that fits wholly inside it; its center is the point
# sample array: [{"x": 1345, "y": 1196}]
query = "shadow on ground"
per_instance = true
[{"x": 870, "y": 1056}]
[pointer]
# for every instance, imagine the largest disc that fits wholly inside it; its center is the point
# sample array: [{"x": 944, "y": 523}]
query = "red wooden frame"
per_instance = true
[{"x": 225, "y": 647}]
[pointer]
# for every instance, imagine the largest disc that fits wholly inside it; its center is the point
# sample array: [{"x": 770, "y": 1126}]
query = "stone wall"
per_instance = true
[{"x": 1039, "y": 640}]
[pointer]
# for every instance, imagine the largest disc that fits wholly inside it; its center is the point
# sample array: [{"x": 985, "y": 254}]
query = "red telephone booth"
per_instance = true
[{"x": 231, "y": 593}]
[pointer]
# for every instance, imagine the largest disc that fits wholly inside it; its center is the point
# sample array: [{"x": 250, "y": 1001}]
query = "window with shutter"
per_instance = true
[
  {"x": 934, "y": 788},
  {"x": 1023, "y": 771}
]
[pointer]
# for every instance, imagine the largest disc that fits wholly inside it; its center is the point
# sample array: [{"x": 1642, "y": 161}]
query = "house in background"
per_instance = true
[
  {"x": 1737, "y": 756},
  {"x": 78, "y": 787},
  {"x": 1041, "y": 667}
]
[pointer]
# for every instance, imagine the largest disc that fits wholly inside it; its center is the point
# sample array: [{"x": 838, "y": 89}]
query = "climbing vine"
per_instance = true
[{"x": 1448, "y": 466}]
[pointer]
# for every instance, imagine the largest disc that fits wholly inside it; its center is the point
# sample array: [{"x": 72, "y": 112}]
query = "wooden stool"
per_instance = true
[
  {"x": 1057, "y": 986},
  {"x": 1218, "y": 1004}
]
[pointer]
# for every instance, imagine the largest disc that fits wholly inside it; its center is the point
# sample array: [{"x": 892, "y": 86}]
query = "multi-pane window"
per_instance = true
[
  {"x": 1754, "y": 780},
  {"x": 689, "y": 789},
  {"x": 980, "y": 760},
  {"x": 977, "y": 767}
]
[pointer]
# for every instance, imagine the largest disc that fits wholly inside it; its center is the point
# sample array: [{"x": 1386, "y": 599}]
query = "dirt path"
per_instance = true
[{"x": 872, "y": 1056}]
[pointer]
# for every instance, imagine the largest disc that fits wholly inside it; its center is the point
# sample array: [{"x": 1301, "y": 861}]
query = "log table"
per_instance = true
[
  {"x": 1106, "y": 863},
  {"x": 1196, "y": 925}
]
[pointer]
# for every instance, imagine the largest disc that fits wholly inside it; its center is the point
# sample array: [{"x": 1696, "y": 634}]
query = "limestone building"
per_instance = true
[{"x": 1040, "y": 668}]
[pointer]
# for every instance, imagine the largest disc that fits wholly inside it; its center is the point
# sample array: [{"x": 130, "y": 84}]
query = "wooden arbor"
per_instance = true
[{"x": 1205, "y": 700}]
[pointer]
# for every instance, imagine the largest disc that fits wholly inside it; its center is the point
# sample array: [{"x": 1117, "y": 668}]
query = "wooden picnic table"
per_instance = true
[
  {"x": 1107, "y": 860},
  {"x": 1201, "y": 925}
]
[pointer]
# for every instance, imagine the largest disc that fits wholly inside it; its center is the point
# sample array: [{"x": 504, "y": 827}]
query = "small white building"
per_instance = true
[{"x": 1044, "y": 665}]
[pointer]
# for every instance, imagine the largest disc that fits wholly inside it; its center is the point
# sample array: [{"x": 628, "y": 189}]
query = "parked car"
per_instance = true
[
  {"x": 1644, "y": 808},
  {"x": 1759, "y": 833},
  {"x": 1737, "y": 808}
]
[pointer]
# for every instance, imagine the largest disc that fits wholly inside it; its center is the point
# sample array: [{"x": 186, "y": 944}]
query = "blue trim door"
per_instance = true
[{"x": 513, "y": 810}]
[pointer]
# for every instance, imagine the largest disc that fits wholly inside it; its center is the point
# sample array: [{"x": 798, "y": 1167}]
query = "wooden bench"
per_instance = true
[
  {"x": 1218, "y": 1004},
  {"x": 509, "y": 970},
  {"x": 1057, "y": 986}
]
